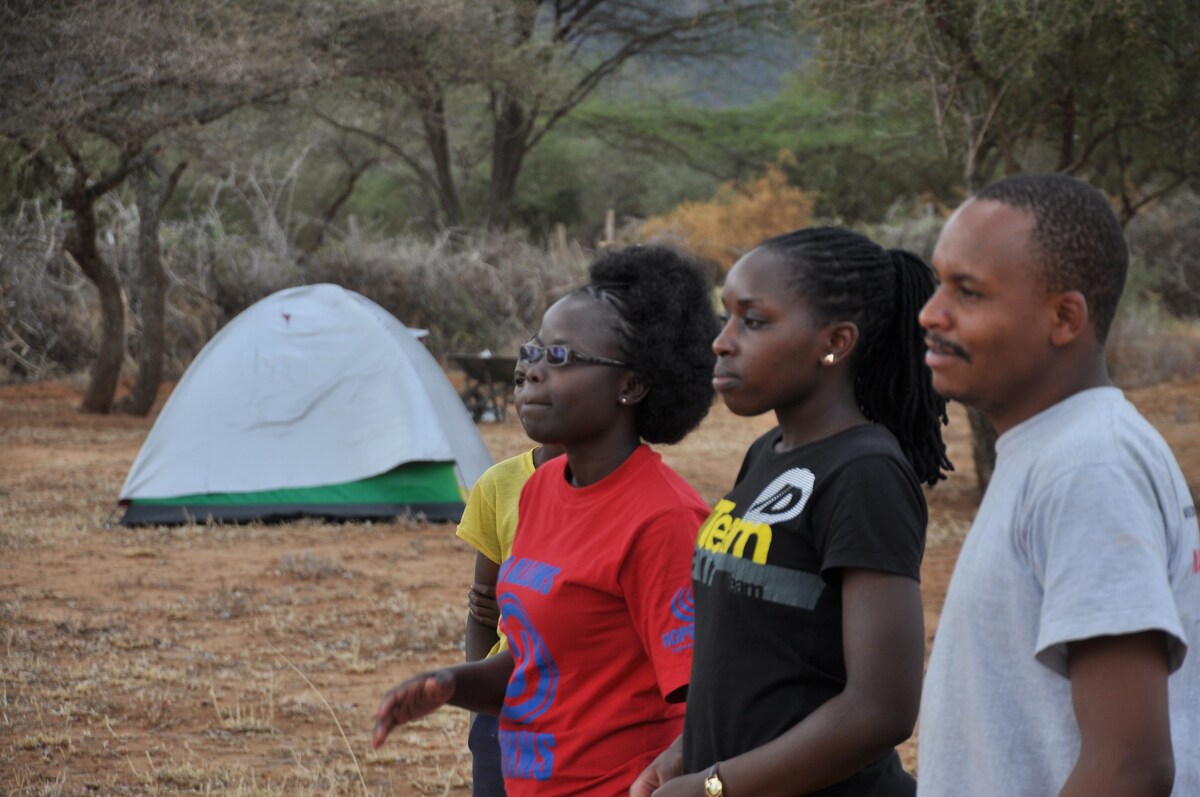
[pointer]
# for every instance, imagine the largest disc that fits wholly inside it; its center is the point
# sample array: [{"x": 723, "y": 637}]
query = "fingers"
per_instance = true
[
  {"x": 400, "y": 705},
  {"x": 481, "y": 603},
  {"x": 380, "y": 733},
  {"x": 413, "y": 699},
  {"x": 651, "y": 778},
  {"x": 667, "y": 766},
  {"x": 384, "y": 720},
  {"x": 645, "y": 784},
  {"x": 491, "y": 619}
]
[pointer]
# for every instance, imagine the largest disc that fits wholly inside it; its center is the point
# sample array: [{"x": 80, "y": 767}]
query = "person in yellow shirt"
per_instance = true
[{"x": 489, "y": 523}]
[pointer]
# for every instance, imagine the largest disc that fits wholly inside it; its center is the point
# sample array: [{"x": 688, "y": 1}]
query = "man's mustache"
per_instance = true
[{"x": 932, "y": 339}]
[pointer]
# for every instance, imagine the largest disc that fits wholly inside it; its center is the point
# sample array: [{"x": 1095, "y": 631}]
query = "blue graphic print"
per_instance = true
[
  {"x": 535, "y": 680},
  {"x": 531, "y": 692},
  {"x": 683, "y": 607}
]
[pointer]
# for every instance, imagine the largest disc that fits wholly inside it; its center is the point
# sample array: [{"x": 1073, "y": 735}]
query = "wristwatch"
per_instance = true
[{"x": 713, "y": 787}]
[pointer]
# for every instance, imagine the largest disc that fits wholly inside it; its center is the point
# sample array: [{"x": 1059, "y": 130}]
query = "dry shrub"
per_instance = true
[
  {"x": 1167, "y": 238},
  {"x": 419, "y": 629},
  {"x": 1156, "y": 335},
  {"x": 47, "y": 318},
  {"x": 472, "y": 292},
  {"x": 735, "y": 220},
  {"x": 308, "y": 566},
  {"x": 1147, "y": 346},
  {"x": 49, "y": 313},
  {"x": 917, "y": 233},
  {"x": 230, "y": 603},
  {"x": 256, "y": 255}
]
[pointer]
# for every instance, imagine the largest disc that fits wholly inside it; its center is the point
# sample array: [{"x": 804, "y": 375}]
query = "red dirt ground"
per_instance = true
[{"x": 248, "y": 660}]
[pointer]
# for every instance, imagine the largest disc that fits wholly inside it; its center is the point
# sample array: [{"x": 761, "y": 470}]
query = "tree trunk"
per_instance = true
[
  {"x": 437, "y": 139},
  {"x": 510, "y": 138},
  {"x": 80, "y": 244},
  {"x": 152, "y": 191},
  {"x": 983, "y": 447},
  {"x": 330, "y": 213}
]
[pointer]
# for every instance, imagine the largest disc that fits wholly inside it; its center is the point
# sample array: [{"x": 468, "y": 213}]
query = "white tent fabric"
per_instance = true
[{"x": 310, "y": 386}]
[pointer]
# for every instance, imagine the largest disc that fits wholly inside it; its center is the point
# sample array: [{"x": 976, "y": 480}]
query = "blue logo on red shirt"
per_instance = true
[
  {"x": 531, "y": 693},
  {"x": 535, "y": 575},
  {"x": 534, "y": 682},
  {"x": 683, "y": 607}
]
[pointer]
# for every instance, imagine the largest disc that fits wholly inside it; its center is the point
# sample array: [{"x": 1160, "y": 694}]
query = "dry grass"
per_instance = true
[
  {"x": 242, "y": 660},
  {"x": 309, "y": 565},
  {"x": 248, "y": 660},
  {"x": 239, "y": 660}
]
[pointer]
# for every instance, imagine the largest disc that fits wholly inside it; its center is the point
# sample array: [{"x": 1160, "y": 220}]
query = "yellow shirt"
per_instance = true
[{"x": 489, "y": 521}]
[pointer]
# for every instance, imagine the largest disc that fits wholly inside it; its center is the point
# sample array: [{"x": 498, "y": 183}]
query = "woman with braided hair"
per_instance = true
[{"x": 809, "y": 637}]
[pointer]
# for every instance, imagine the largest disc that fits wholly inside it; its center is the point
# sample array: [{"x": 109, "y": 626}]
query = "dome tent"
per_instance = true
[{"x": 314, "y": 401}]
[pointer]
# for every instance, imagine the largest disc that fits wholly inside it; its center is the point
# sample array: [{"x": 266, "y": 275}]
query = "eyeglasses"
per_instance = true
[{"x": 558, "y": 356}]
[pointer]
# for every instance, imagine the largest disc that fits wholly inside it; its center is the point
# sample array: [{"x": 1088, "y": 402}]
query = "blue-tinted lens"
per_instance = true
[{"x": 555, "y": 355}]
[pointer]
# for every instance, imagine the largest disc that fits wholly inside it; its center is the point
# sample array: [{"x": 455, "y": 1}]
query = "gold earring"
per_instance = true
[{"x": 829, "y": 359}]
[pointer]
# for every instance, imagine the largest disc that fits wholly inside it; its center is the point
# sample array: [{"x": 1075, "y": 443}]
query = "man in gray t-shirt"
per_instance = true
[{"x": 1060, "y": 664}]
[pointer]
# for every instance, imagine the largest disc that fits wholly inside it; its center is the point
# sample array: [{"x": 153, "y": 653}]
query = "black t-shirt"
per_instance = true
[{"x": 766, "y": 574}]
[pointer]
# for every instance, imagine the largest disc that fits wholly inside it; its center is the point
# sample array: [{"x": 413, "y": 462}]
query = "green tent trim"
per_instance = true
[{"x": 425, "y": 488}]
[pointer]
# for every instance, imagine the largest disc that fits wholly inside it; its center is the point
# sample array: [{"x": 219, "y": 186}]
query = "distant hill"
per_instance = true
[{"x": 721, "y": 81}]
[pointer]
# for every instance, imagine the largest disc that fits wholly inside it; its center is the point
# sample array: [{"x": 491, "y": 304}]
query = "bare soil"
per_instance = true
[{"x": 248, "y": 660}]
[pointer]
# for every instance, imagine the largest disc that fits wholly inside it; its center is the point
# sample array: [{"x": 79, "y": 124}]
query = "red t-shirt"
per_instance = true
[{"x": 596, "y": 601}]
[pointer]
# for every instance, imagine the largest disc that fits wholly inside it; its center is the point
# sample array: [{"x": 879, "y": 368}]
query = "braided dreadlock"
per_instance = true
[{"x": 846, "y": 276}]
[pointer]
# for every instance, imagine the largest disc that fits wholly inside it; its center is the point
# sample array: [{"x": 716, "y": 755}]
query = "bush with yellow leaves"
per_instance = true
[{"x": 740, "y": 215}]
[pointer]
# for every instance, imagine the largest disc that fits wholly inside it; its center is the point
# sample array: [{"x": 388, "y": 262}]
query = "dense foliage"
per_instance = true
[{"x": 188, "y": 158}]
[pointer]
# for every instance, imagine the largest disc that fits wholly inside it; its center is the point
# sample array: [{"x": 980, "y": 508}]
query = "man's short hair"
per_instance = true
[{"x": 1078, "y": 236}]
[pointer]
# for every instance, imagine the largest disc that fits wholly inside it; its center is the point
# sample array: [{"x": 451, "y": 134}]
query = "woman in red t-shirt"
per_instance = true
[{"x": 596, "y": 596}]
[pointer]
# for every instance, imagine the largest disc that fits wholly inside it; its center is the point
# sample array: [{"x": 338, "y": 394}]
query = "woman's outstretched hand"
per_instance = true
[{"x": 420, "y": 695}]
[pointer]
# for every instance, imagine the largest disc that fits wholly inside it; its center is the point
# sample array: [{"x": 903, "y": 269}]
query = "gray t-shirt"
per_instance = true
[{"x": 1087, "y": 529}]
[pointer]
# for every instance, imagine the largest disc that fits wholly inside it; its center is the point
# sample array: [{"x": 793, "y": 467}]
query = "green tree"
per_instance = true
[
  {"x": 1105, "y": 90},
  {"x": 1102, "y": 89},
  {"x": 855, "y": 158},
  {"x": 94, "y": 92},
  {"x": 449, "y": 87}
]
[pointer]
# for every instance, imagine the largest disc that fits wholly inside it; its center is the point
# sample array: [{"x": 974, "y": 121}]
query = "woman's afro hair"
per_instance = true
[{"x": 666, "y": 323}]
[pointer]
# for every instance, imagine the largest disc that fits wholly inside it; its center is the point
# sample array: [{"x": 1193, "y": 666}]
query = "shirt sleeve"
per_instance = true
[
  {"x": 1097, "y": 543},
  {"x": 479, "y": 523},
  {"x": 872, "y": 515},
  {"x": 656, "y": 578}
]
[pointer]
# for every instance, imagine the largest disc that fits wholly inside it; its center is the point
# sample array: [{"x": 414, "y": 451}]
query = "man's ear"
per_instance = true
[
  {"x": 1071, "y": 317},
  {"x": 632, "y": 390}
]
